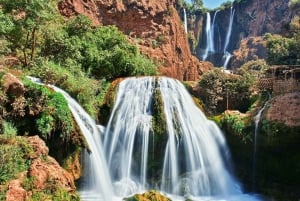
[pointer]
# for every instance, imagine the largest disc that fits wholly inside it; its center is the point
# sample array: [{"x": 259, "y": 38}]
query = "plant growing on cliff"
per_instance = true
[
  {"x": 54, "y": 115},
  {"x": 12, "y": 160}
]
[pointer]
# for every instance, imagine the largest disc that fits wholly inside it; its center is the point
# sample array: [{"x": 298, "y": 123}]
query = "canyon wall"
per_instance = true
[{"x": 154, "y": 26}]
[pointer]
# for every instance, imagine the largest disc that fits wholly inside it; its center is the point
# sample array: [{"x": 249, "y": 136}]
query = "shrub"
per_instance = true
[
  {"x": 12, "y": 161},
  {"x": 8, "y": 130}
]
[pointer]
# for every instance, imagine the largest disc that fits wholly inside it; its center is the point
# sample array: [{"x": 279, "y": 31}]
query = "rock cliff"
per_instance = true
[
  {"x": 251, "y": 18},
  {"x": 154, "y": 26}
]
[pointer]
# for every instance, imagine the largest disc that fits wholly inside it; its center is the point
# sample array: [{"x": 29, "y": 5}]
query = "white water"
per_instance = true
[
  {"x": 185, "y": 21},
  {"x": 256, "y": 128},
  {"x": 227, "y": 56},
  {"x": 209, "y": 37},
  {"x": 196, "y": 161},
  {"x": 229, "y": 31},
  {"x": 97, "y": 183}
]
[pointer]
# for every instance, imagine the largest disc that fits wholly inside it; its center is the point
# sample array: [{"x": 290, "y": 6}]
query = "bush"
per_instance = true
[
  {"x": 8, "y": 130},
  {"x": 218, "y": 86},
  {"x": 12, "y": 161}
]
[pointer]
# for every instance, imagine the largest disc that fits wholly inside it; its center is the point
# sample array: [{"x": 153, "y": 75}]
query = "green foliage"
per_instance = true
[
  {"x": 254, "y": 68},
  {"x": 282, "y": 50},
  {"x": 103, "y": 52},
  {"x": 8, "y": 130},
  {"x": 55, "y": 115},
  {"x": 88, "y": 92},
  {"x": 24, "y": 20},
  {"x": 237, "y": 125},
  {"x": 218, "y": 87},
  {"x": 12, "y": 160}
]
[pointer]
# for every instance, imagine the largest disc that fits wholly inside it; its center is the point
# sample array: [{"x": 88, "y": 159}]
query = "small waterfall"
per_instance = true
[
  {"x": 256, "y": 128},
  {"x": 227, "y": 56},
  {"x": 185, "y": 21},
  {"x": 97, "y": 183}
]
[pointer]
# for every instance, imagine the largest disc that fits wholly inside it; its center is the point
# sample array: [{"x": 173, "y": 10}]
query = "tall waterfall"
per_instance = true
[
  {"x": 229, "y": 31},
  {"x": 209, "y": 37},
  {"x": 195, "y": 153},
  {"x": 185, "y": 21},
  {"x": 228, "y": 55}
]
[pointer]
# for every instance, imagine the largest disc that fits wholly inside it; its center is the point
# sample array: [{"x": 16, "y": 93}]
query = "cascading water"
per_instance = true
[
  {"x": 216, "y": 43},
  {"x": 256, "y": 127},
  {"x": 227, "y": 55},
  {"x": 209, "y": 37},
  {"x": 97, "y": 183},
  {"x": 189, "y": 159},
  {"x": 185, "y": 21}
]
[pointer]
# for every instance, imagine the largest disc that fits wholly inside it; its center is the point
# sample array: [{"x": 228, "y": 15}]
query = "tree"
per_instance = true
[{"x": 28, "y": 18}]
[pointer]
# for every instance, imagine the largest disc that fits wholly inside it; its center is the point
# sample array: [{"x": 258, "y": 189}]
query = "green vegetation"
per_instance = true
[
  {"x": 12, "y": 154},
  {"x": 221, "y": 91},
  {"x": 282, "y": 49},
  {"x": 148, "y": 196},
  {"x": 23, "y": 23},
  {"x": 54, "y": 115}
]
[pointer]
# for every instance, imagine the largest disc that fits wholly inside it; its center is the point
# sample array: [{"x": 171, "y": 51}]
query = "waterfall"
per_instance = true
[
  {"x": 227, "y": 56},
  {"x": 189, "y": 159},
  {"x": 185, "y": 21},
  {"x": 200, "y": 142},
  {"x": 209, "y": 40},
  {"x": 128, "y": 132},
  {"x": 97, "y": 183},
  {"x": 209, "y": 31},
  {"x": 256, "y": 126},
  {"x": 229, "y": 31},
  {"x": 196, "y": 155}
]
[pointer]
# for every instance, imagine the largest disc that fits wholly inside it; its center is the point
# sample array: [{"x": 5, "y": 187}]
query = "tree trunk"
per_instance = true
[
  {"x": 32, "y": 43},
  {"x": 24, "y": 50}
]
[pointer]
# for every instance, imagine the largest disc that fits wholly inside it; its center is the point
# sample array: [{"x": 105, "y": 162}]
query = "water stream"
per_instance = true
[
  {"x": 257, "y": 119},
  {"x": 185, "y": 21}
]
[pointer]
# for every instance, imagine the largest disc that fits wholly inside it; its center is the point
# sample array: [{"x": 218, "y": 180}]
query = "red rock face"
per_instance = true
[
  {"x": 154, "y": 25},
  {"x": 252, "y": 48},
  {"x": 15, "y": 191},
  {"x": 285, "y": 109},
  {"x": 45, "y": 169}
]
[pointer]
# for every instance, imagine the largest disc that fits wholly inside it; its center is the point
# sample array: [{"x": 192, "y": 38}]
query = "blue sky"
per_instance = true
[{"x": 211, "y": 4}]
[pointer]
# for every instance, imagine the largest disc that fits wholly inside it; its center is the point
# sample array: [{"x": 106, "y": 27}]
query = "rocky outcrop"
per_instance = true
[
  {"x": 45, "y": 170},
  {"x": 285, "y": 109},
  {"x": 154, "y": 26},
  {"x": 12, "y": 85},
  {"x": 252, "y": 48},
  {"x": 15, "y": 191}
]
